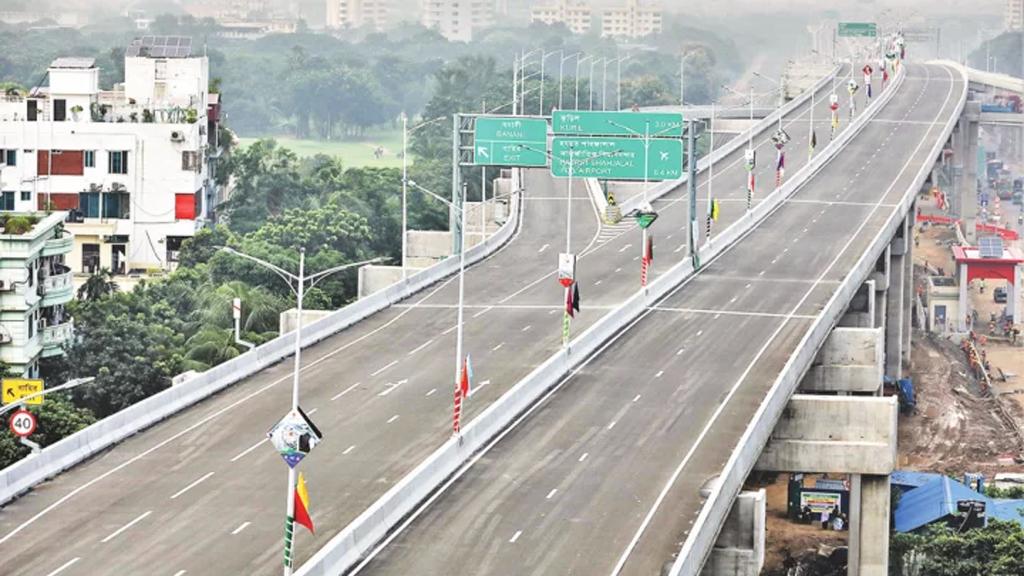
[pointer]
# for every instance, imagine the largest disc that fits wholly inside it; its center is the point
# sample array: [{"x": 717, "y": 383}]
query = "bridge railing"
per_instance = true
[{"x": 705, "y": 530}]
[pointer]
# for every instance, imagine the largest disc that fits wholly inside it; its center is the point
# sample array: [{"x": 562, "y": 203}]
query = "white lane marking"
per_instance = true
[
  {"x": 717, "y": 316},
  {"x": 432, "y": 390},
  {"x": 67, "y": 564},
  {"x": 420, "y": 347},
  {"x": 349, "y": 449},
  {"x": 125, "y": 527},
  {"x": 598, "y": 283},
  {"x": 192, "y": 485},
  {"x": 393, "y": 418},
  {"x": 761, "y": 273},
  {"x": 482, "y": 312},
  {"x": 624, "y": 248},
  {"x": 551, "y": 494},
  {"x": 784, "y": 250},
  {"x": 612, "y": 425},
  {"x": 774, "y": 260},
  {"x": 721, "y": 407},
  {"x": 345, "y": 391},
  {"x": 618, "y": 269},
  {"x": 699, "y": 332},
  {"x": 680, "y": 351},
  {"x": 584, "y": 457},
  {"x": 748, "y": 285},
  {"x": 449, "y": 331},
  {"x": 733, "y": 300},
  {"x": 240, "y": 528},
  {"x": 391, "y": 387},
  {"x": 660, "y": 372},
  {"x": 498, "y": 347},
  {"x": 669, "y": 237},
  {"x": 526, "y": 328},
  {"x": 311, "y": 412},
  {"x": 393, "y": 362},
  {"x": 636, "y": 398},
  {"x": 515, "y": 537},
  {"x": 543, "y": 248},
  {"x": 181, "y": 573},
  {"x": 550, "y": 312},
  {"x": 478, "y": 388},
  {"x": 680, "y": 249},
  {"x": 249, "y": 449},
  {"x": 635, "y": 258}
]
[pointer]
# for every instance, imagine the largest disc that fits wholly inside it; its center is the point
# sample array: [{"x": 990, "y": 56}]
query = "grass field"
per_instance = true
[{"x": 353, "y": 153}]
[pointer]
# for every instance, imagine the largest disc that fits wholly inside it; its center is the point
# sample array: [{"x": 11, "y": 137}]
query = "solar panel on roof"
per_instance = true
[
  {"x": 990, "y": 247},
  {"x": 161, "y": 47}
]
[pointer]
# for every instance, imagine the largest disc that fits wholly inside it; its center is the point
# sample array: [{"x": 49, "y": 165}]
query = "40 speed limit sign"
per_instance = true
[{"x": 23, "y": 423}]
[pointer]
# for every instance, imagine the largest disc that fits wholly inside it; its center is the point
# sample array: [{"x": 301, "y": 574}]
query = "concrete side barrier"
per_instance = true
[
  {"x": 358, "y": 539},
  {"x": 702, "y": 536},
  {"x": 61, "y": 455}
]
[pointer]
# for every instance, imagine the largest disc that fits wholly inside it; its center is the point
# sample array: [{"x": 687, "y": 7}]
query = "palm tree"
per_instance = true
[
  {"x": 99, "y": 285},
  {"x": 260, "y": 308},
  {"x": 211, "y": 346}
]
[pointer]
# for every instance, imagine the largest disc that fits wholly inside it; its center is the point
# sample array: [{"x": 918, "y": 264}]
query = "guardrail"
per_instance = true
[
  {"x": 350, "y": 546},
  {"x": 701, "y": 539},
  {"x": 71, "y": 450}
]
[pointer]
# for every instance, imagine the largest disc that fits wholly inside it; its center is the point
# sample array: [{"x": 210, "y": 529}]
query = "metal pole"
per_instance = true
[
  {"x": 483, "y": 203},
  {"x": 462, "y": 296},
  {"x": 604, "y": 85},
  {"x": 711, "y": 172},
  {"x": 543, "y": 57},
  {"x": 682, "y": 79},
  {"x": 561, "y": 68},
  {"x": 405, "y": 189},
  {"x": 515, "y": 84},
  {"x": 568, "y": 243},
  {"x": 691, "y": 184},
  {"x": 290, "y": 499},
  {"x": 810, "y": 131},
  {"x": 590, "y": 85},
  {"x": 453, "y": 224},
  {"x": 643, "y": 230},
  {"x": 618, "y": 84}
]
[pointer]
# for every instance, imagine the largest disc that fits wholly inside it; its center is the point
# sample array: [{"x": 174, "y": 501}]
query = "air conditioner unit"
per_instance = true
[
  {"x": 5, "y": 338},
  {"x": 5, "y": 285},
  {"x": 177, "y": 136}
]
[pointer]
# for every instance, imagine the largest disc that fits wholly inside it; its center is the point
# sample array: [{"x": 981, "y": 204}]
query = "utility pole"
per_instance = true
[{"x": 691, "y": 185}]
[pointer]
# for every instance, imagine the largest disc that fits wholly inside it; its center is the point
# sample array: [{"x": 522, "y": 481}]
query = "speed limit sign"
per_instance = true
[{"x": 23, "y": 423}]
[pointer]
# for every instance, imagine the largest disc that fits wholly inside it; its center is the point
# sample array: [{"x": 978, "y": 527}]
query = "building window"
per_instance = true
[
  {"x": 115, "y": 205},
  {"x": 90, "y": 159},
  {"x": 89, "y": 204},
  {"x": 118, "y": 162},
  {"x": 6, "y": 200},
  {"x": 11, "y": 157},
  {"x": 60, "y": 110},
  {"x": 26, "y": 195},
  {"x": 190, "y": 161},
  {"x": 32, "y": 110}
]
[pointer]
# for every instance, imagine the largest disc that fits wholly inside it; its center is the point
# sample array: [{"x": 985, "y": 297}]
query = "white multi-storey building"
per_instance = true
[
  {"x": 1014, "y": 17},
  {"x": 345, "y": 14},
  {"x": 576, "y": 15},
  {"x": 35, "y": 284},
  {"x": 458, "y": 20},
  {"x": 132, "y": 166},
  {"x": 635, "y": 20}
]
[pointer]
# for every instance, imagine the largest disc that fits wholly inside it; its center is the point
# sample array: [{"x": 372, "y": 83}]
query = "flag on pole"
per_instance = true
[
  {"x": 576, "y": 296},
  {"x": 885, "y": 76},
  {"x": 814, "y": 140},
  {"x": 461, "y": 392},
  {"x": 302, "y": 505},
  {"x": 649, "y": 248},
  {"x": 467, "y": 376},
  {"x": 569, "y": 303},
  {"x": 715, "y": 209},
  {"x": 780, "y": 169}
]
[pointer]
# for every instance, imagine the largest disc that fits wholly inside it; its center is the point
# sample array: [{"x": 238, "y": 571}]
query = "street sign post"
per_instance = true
[
  {"x": 622, "y": 158},
  {"x": 656, "y": 124},
  {"x": 294, "y": 436},
  {"x": 15, "y": 389},
  {"x": 858, "y": 30},
  {"x": 566, "y": 269},
  {"x": 504, "y": 141},
  {"x": 22, "y": 423}
]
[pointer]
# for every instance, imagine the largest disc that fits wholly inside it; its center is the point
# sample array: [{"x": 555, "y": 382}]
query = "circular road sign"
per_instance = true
[{"x": 23, "y": 423}]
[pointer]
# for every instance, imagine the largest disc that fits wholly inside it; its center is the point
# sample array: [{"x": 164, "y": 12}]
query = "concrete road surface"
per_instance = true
[
  {"x": 203, "y": 493},
  {"x": 604, "y": 476}
]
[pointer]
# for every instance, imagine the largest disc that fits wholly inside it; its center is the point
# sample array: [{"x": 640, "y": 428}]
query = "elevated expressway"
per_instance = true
[
  {"x": 203, "y": 493},
  {"x": 605, "y": 475}
]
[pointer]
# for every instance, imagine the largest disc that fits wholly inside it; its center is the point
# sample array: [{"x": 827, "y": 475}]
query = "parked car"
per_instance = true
[{"x": 999, "y": 295}]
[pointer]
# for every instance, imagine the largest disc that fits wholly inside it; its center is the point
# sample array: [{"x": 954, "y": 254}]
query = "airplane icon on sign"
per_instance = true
[{"x": 664, "y": 156}]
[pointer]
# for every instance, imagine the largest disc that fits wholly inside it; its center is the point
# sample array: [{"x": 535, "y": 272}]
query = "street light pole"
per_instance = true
[
  {"x": 405, "y": 189},
  {"x": 462, "y": 297},
  {"x": 579, "y": 61},
  {"x": 590, "y": 85},
  {"x": 604, "y": 85},
  {"x": 561, "y": 67}
]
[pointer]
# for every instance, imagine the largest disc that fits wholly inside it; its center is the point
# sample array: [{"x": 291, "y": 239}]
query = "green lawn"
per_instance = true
[{"x": 353, "y": 153}]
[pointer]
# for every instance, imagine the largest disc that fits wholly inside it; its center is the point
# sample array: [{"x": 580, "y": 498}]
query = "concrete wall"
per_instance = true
[
  {"x": 286, "y": 320},
  {"x": 850, "y": 361},
  {"x": 739, "y": 550},
  {"x": 840, "y": 434}
]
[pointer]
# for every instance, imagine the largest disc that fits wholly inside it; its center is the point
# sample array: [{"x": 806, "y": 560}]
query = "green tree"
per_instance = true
[
  {"x": 267, "y": 183},
  {"x": 57, "y": 417},
  {"x": 98, "y": 286}
]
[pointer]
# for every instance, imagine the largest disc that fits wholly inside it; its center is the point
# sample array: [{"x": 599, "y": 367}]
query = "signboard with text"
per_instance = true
[
  {"x": 858, "y": 30},
  {"x": 507, "y": 141},
  {"x": 616, "y": 158},
  {"x": 652, "y": 124},
  {"x": 15, "y": 389}
]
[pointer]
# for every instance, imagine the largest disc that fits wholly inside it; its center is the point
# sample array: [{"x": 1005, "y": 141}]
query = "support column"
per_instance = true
[
  {"x": 894, "y": 304},
  {"x": 880, "y": 278},
  {"x": 739, "y": 550},
  {"x": 963, "y": 287},
  {"x": 861, "y": 312},
  {"x": 969, "y": 183},
  {"x": 908, "y": 289},
  {"x": 869, "y": 526}
]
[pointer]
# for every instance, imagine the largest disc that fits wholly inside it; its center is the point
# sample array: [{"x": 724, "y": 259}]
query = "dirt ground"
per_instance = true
[{"x": 787, "y": 538}]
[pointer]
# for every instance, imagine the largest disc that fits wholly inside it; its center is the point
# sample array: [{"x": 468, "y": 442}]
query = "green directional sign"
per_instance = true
[
  {"x": 506, "y": 141},
  {"x": 655, "y": 124},
  {"x": 610, "y": 158},
  {"x": 858, "y": 30}
]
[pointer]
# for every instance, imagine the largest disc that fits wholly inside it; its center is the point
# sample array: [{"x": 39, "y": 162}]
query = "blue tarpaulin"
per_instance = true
[{"x": 937, "y": 498}]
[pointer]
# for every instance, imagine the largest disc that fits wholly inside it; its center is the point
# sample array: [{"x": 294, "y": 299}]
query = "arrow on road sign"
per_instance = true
[{"x": 482, "y": 152}]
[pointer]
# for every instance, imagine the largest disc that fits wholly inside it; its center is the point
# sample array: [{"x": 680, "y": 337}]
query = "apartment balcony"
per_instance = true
[
  {"x": 56, "y": 337},
  {"x": 59, "y": 245},
  {"x": 57, "y": 288}
]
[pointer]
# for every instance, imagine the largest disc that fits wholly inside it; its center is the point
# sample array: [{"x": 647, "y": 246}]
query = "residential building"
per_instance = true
[
  {"x": 134, "y": 166},
  {"x": 576, "y": 15},
  {"x": 35, "y": 284},
  {"x": 458, "y": 20},
  {"x": 347, "y": 14},
  {"x": 635, "y": 20},
  {"x": 1014, "y": 17}
]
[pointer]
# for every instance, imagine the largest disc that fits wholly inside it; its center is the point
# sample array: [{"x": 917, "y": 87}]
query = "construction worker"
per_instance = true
[{"x": 981, "y": 285}]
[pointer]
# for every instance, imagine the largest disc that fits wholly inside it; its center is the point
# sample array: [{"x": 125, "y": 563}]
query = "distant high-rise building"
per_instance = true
[
  {"x": 635, "y": 20},
  {"x": 574, "y": 14},
  {"x": 1014, "y": 14},
  {"x": 458, "y": 20},
  {"x": 359, "y": 13}
]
